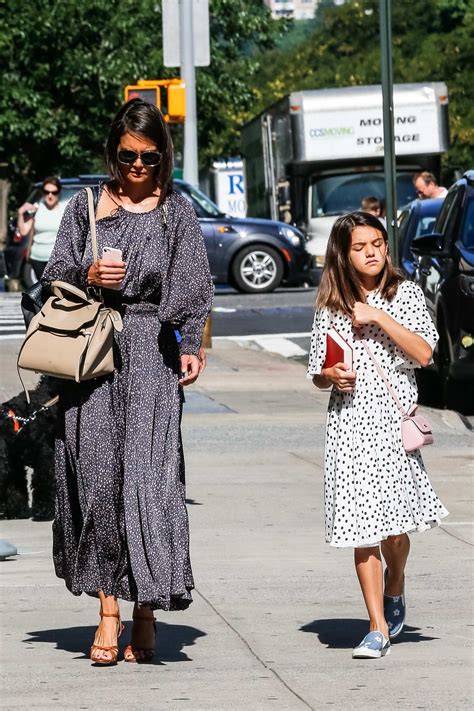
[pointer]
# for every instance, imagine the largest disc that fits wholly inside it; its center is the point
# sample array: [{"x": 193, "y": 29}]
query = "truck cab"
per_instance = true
[{"x": 314, "y": 155}]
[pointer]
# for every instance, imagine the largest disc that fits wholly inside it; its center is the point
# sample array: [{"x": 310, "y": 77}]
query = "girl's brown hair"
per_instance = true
[
  {"x": 340, "y": 285},
  {"x": 139, "y": 117}
]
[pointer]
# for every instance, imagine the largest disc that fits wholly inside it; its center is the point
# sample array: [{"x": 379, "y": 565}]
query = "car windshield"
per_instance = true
[
  {"x": 467, "y": 235},
  {"x": 337, "y": 194},
  {"x": 202, "y": 204}
]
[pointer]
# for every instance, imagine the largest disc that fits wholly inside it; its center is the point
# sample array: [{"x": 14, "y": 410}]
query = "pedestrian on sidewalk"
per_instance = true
[
  {"x": 121, "y": 525},
  {"x": 375, "y": 492},
  {"x": 41, "y": 222}
]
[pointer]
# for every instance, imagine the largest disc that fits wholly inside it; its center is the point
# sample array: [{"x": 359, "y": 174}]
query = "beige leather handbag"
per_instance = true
[{"x": 72, "y": 336}]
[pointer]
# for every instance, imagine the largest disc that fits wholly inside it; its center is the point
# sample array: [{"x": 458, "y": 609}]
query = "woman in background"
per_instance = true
[{"x": 42, "y": 222}]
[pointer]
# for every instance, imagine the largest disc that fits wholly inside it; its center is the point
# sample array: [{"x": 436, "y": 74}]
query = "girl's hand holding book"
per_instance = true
[{"x": 340, "y": 375}]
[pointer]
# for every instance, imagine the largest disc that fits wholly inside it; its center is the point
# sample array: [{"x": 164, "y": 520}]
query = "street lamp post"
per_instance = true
[
  {"x": 188, "y": 74},
  {"x": 388, "y": 124}
]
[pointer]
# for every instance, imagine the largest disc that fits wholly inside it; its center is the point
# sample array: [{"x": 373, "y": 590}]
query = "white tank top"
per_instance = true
[{"x": 46, "y": 229}]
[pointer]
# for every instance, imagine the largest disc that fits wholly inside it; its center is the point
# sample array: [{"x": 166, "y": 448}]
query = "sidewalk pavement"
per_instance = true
[{"x": 276, "y": 611}]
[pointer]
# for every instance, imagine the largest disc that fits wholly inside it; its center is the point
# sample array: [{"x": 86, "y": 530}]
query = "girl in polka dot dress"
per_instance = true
[{"x": 375, "y": 492}]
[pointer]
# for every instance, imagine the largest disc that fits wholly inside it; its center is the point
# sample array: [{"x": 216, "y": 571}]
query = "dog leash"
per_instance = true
[{"x": 19, "y": 422}]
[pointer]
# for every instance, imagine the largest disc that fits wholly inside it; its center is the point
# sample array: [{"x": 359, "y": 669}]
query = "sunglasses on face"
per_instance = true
[
  {"x": 148, "y": 158},
  {"x": 50, "y": 192}
]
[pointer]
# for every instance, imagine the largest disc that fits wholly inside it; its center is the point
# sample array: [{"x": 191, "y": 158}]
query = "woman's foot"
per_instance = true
[
  {"x": 104, "y": 649},
  {"x": 142, "y": 647}
]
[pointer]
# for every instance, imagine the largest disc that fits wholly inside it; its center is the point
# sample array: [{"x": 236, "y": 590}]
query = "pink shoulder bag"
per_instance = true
[{"x": 416, "y": 430}]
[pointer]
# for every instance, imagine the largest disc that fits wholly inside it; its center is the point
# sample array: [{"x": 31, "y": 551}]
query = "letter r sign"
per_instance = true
[{"x": 235, "y": 184}]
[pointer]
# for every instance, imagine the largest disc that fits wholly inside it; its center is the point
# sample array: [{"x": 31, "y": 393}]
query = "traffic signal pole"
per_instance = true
[
  {"x": 188, "y": 74},
  {"x": 385, "y": 12}
]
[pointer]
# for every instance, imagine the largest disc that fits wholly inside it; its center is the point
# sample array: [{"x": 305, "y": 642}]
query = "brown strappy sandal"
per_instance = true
[
  {"x": 140, "y": 655},
  {"x": 113, "y": 649}
]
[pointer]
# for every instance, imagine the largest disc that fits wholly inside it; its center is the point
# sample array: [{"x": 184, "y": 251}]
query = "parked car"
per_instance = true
[
  {"x": 445, "y": 272},
  {"x": 254, "y": 255},
  {"x": 415, "y": 219}
]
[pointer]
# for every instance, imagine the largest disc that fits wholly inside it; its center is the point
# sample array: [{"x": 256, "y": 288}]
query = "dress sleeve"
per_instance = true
[
  {"x": 317, "y": 351},
  {"x": 187, "y": 289},
  {"x": 66, "y": 260},
  {"x": 413, "y": 314}
]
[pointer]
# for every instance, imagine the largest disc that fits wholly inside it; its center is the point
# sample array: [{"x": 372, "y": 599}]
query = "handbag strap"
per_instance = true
[
  {"x": 384, "y": 378},
  {"x": 90, "y": 203}
]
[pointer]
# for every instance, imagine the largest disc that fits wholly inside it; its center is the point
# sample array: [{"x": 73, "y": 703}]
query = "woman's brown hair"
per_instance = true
[
  {"x": 53, "y": 180},
  {"x": 140, "y": 118},
  {"x": 340, "y": 285}
]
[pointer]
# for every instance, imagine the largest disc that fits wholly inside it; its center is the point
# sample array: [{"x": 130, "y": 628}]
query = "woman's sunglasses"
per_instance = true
[
  {"x": 148, "y": 158},
  {"x": 50, "y": 192}
]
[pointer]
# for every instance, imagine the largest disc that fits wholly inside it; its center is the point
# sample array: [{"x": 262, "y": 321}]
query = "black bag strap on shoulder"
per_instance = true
[{"x": 95, "y": 194}]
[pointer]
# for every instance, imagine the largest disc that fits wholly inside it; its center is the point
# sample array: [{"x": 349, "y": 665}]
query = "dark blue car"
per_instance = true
[
  {"x": 417, "y": 218},
  {"x": 445, "y": 272},
  {"x": 253, "y": 255}
]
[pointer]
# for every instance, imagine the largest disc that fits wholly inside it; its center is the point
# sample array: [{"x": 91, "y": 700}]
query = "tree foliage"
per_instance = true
[{"x": 65, "y": 63}]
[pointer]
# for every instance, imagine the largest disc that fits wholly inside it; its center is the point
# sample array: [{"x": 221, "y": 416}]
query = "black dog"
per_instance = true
[{"x": 30, "y": 445}]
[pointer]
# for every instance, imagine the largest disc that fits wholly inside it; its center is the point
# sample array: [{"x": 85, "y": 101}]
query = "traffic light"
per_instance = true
[
  {"x": 174, "y": 109},
  {"x": 176, "y": 102},
  {"x": 149, "y": 94}
]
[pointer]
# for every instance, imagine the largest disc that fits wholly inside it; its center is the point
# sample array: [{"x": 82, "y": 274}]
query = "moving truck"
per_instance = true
[{"x": 314, "y": 155}]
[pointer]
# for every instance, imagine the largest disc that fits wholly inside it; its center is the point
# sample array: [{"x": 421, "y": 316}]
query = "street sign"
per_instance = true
[{"x": 171, "y": 33}]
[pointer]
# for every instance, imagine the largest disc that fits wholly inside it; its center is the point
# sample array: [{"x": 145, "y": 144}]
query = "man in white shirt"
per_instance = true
[{"x": 426, "y": 186}]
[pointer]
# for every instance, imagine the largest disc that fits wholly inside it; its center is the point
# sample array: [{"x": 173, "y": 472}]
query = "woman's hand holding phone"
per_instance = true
[{"x": 108, "y": 272}]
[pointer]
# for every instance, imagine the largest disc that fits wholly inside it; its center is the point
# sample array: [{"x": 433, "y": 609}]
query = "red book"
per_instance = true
[{"x": 337, "y": 350}]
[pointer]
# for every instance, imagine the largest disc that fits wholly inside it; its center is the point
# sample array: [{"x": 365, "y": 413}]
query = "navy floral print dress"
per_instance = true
[{"x": 121, "y": 523}]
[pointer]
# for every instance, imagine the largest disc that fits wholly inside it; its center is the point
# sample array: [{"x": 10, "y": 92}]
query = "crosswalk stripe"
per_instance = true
[
  {"x": 262, "y": 336},
  {"x": 12, "y": 325},
  {"x": 282, "y": 346},
  {"x": 280, "y": 343}
]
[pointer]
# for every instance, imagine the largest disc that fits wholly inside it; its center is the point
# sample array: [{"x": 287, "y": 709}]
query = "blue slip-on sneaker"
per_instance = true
[
  {"x": 373, "y": 646},
  {"x": 394, "y": 609}
]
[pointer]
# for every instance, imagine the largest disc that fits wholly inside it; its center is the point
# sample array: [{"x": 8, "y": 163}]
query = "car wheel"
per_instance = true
[
  {"x": 257, "y": 269},
  {"x": 28, "y": 275}
]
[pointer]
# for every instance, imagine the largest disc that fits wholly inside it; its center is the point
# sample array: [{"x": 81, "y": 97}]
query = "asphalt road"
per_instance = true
[
  {"x": 283, "y": 311},
  {"x": 234, "y": 314}
]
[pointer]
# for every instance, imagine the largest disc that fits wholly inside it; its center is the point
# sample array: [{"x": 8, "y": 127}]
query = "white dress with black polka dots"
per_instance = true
[{"x": 373, "y": 488}]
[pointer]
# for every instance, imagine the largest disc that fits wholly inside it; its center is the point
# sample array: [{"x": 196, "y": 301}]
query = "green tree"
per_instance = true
[{"x": 65, "y": 63}]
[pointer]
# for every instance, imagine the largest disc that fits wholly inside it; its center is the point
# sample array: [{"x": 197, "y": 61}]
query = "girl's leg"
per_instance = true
[
  {"x": 108, "y": 629},
  {"x": 369, "y": 571},
  {"x": 395, "y": 550}
]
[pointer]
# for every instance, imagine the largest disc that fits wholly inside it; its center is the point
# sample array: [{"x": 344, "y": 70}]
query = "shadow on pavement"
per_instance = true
[
  {"x": 171, "y": 640},
  {"x": 347, "y": 633}
]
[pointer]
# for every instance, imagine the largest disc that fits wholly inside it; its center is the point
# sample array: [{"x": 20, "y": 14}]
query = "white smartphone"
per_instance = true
[
  {"x": 116, "y": 256},
  {"x": 113, "y": 254}
]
